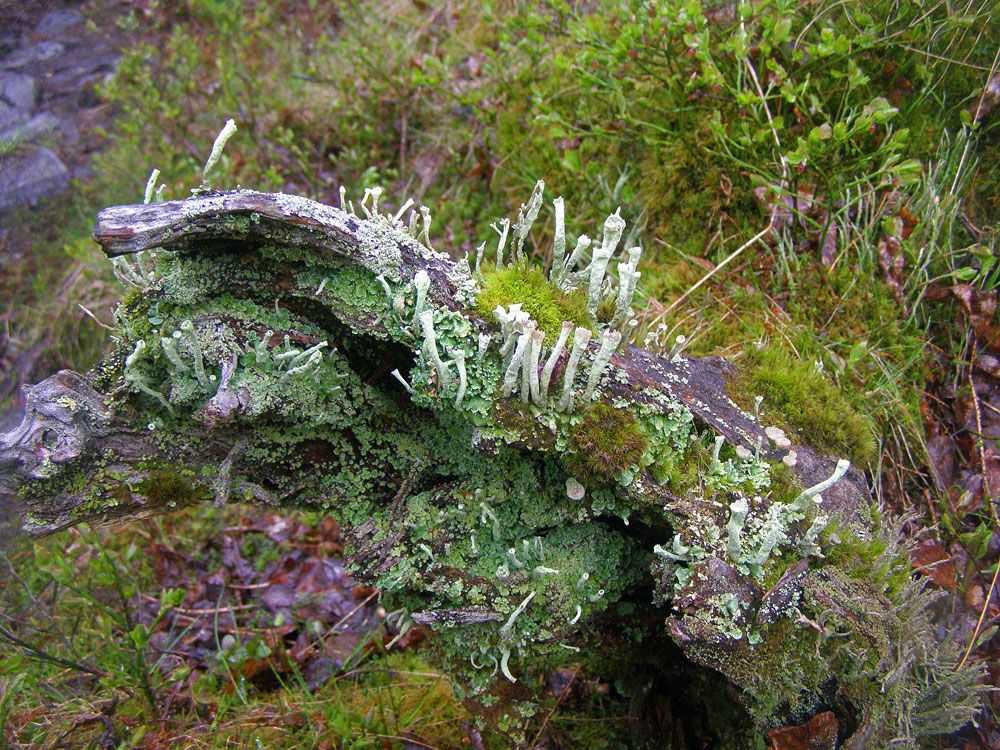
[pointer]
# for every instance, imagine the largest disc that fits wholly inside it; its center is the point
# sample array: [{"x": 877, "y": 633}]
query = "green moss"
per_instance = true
[
  {"x": 686, "y": 476},
  {"x": 548, "y": 305},
  {"x": 168, "y": 487},
  {"x": 607, "y": 442},
  {"x": 799, "y": 399},
  {"x": 132, "y": 314},
  {"x": 683, "y": 196}
]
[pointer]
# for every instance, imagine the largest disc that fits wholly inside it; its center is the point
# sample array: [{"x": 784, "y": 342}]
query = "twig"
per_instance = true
[
  {"x": 982, "y": 616},
  {"x": 42, "y": 656},
  {"x": 563, "y": 694},
  {"x": 715, "y": 270},
  {"x": 341, "y": 621},
  {"x": 982, "y": 442},
  {"x": 979, "y": 107},
  {"x": 205, "y": 611}
]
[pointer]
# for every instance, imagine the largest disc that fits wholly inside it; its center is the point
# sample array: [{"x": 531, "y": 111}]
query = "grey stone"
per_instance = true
[
  {"x": 37, "y": 52},
  {"x": 41, "y": 124},
  {"x": 26, "y": 179},
  {"x": 57, "y": 21},
  {"x": 11, "y": 119},
  {"x": 17, "y": 90},
  {"x": 17, "y": 99}
]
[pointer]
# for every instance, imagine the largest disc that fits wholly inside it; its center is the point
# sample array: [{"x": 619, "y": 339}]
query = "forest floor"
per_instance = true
[{"x": 808, "y": 178}]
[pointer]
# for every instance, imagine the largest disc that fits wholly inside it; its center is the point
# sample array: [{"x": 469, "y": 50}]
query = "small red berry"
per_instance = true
[
  {"x": 871, "y": 129},
  {"x": 895, "y": 181},
  {"x": 632, "y": 53},
  {"x": 800, "y": 168},
  {"x": 691, "y": 28},
  {"x": 743, "y": 113},
  {"x": 652, "y": 12},
  {"x": 716, "y": 89},
  {"x": 691, "y": 52}
]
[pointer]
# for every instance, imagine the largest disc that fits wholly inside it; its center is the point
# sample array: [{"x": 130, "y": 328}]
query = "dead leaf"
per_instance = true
[
  {"x": 930, "y": 559},
  {"x": 941, "y": 452},
  {"x": 890, "y": 257},
  {"x": 278, "y": 597},
  {"x": 974, "y": 597},
  {"x": 828, "y": 251},
  {"x": 819, "y": 733},
  {"x": 987, "y": 100},
  {"x": 980, "y": 306}
]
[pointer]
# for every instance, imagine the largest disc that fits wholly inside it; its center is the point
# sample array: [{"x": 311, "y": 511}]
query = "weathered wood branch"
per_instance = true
[{"x": 525, "y": 503}]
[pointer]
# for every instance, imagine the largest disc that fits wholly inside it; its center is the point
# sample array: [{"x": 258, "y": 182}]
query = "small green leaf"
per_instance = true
[{"x": 139, "y": 635}]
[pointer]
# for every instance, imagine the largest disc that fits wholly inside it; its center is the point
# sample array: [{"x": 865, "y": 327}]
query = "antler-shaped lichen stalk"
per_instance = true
[
  {"x": 479, "y": 259},
  {"x": 581, "y": 337},
  {"x": 583, "y": 243},
  {"x": 609, "y": 343},
  {"x": 512, "y": 326},
  {"x": 514, "y": 367},
  {"x": 805, "y": 498},
  {"x": 734, "y": 527},
  {"x": 463, "y": 380},
  {"x": 550, "y": 364},
  {"x": 531, "y": 368},
  {"x": 169, "y": 344},
  {"x": 227, "y": 132},
  {"x": 430, "y": 347},
  {"x": 628, "y": 279},
  {"x": 558, "y": 240},
  {"x": 525, "y": 218},
  {"x": 614, "y": 225},
  {"x": 421, "y": 283},
  {"x": 150, "y": 186},
  {"x": 425, "y": 232},
  {"x": 199, "y": 363},
  {"x": 482, "y": 348},
  {"x": 502, "y": 230}
]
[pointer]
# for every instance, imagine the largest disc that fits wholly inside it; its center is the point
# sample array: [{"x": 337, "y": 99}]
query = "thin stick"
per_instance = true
[
  {"x": 42, "y": 656},
  {"x": 565, "y": 691},
  {"x": 982, "y": 442},
  {"x": 979, "y": 108},
  {"x": 982, "y": 615},
  {"x": 715, "y": 270}
]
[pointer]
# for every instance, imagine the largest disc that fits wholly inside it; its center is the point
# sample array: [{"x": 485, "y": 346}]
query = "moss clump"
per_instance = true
[
  {"x": 605, "y": 443},
  {"x": 799, "y": 399},
  {"x": 167, "y": 488},
  {"x": 548, "y": 305}
]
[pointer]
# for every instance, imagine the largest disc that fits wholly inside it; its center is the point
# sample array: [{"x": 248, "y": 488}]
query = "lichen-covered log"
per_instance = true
[{"x": 534, "y": 496}]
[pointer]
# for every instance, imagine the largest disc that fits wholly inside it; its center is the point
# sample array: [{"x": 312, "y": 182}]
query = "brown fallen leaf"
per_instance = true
[
  {"x": 974, "y": 597},
  {"x": 819, "y": 733},
  {"x": 930, "y": 559},
  {"x": 980, "y": 306},
  {"x": 987, "y": 100},
  {"x": 890, "y": 257},
  {"x": 828, "y": 251},
  {"x": 941, "y": 452}
]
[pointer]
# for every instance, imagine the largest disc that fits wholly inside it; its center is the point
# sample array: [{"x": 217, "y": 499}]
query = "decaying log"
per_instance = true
[{"x": 280, "y": 351}]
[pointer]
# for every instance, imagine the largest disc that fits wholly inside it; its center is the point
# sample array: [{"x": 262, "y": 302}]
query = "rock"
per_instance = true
[
  {"x": 17, "y": 90},
  {"x": 17, "y": 99},
  {"x": 29, "y": 178},
  {"x": 40, "y": 124},
  {"x": 57, "y": 21},
  {"x": 32, "y": 54}
]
